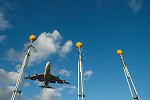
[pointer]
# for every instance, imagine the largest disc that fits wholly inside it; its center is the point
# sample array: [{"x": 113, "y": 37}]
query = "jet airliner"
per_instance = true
[{"x": 47, "y": 77}]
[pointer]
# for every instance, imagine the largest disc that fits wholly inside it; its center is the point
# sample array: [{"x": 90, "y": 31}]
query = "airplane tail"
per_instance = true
[{"x": 46, "y": 87}]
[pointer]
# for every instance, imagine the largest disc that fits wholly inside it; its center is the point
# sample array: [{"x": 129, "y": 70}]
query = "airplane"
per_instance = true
[{"x": 47, "y": 77}]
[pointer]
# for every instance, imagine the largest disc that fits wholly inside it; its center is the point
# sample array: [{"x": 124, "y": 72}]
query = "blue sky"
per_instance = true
[{"x": 103, "y": 26}]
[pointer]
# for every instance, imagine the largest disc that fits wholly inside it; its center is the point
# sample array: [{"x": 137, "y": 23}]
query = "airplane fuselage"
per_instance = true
[
  {"x": 47, "y": 77},
  {"x": 47, "y": 74}
]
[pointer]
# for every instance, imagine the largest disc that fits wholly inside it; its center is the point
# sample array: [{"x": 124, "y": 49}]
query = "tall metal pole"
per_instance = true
[
  {"x": 127, "y": 74},
  {"x": 23, "y": 78},
  {"x": 78, "y": 79},
  {"x": 80, "y": 71},
  {"x": 25, "y": 63}
]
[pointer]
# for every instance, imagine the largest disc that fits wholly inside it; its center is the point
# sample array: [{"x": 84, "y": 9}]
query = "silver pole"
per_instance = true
[
  {"x": 23, "y": 78},
  {"x": 83, "y": 98},
  {"x": 127, "y": 74},
  {"x": 78, "y": 79},
  {"x": 80, "y": 67},
  {"x": 25, "y": 63},
  {"x": 20, "y": 74}
]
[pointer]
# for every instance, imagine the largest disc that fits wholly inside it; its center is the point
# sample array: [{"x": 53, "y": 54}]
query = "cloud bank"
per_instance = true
[
  {"x": 54, "y": 94},
  {"x": 66, "y": 48},
  {"x": 65, "y": 72},
  {"x": 48, "y": 94},
  {"x": 6, "y": 92},
  {"x": 8, "y": 78}
]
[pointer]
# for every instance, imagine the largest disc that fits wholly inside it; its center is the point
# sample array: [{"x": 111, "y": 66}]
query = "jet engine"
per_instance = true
[{"x": 52, "y": 81}]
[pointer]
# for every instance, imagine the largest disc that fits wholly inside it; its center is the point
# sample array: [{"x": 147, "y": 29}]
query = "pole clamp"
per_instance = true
[
  {"x": 18, "y": 91},
  {"x": 30, "y": 47},
  {"x": 79, "y": 95},
  {"x": 136, "y": 98},
  {"x": 80, "y": 54}
]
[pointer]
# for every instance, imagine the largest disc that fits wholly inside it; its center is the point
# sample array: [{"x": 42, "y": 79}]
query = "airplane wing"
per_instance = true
[
  {"x": 53, "y": 79},
  {"x": 40, "y": 77}
]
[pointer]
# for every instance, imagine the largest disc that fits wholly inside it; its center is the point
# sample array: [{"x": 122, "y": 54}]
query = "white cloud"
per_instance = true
[
  {"x": 136, "y": 5},
  {"x": 13, "y": 55},
  {"x": 4, "y": 24},
  {"x": 87, "y": 74},
  {"x": 56, "y": 35},
  {"x": 72, "y": 89},
  {"x": 8, "y": 78},
  {"x": 66, "y": 48},
  {"x": 6, "y": 92},
  {"x": 38, "y": 83},
  {"x": 2, "y": 38},
  {"x": 65, "y": 72},
  {"x": 48, "y": 94},
  {"x": 26, "y": 84},
  {"x": 18, "y": 67},
  {"x": 54, "y": 94},
  {"x": 46, "y": 44},
  {"x": 11, "y": 8}
]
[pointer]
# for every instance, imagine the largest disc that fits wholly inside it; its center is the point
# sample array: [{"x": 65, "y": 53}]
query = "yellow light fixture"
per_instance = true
[
  {"x": 32, "y": 37},
  {"x": 79, "y": 44},
  {"x": 119, "y": 52}
]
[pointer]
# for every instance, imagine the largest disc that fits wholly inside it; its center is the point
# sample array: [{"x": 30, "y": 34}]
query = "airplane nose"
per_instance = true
[{"x": 48, "y": 63}]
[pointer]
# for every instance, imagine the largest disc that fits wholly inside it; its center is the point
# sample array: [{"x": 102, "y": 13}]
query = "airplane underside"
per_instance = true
[{"x": 46, "y": 87}]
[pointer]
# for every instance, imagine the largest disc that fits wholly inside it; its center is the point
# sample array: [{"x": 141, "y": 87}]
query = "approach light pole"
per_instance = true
[
  {"x": 80, "y": 71},
  {"x": 24, "y": 65},
  {"x": 119, "y": 52}
]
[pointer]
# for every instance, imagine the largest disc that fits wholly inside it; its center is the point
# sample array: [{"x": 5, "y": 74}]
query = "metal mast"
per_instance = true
[
  {"x": 25, "y": 63},
  {"x": 119, "y": 52},
  {"x": 80, "y": 73}
]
